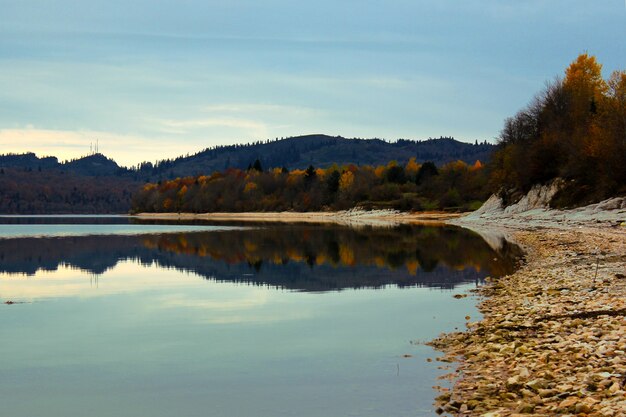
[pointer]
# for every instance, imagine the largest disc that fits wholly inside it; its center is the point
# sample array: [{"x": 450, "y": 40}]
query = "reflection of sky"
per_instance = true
[
  {"x": 156, "y": 79},
  {"x": 159, "y": 342},
  {"x": 126, "y": 277},
  {"x": 154, "y": 288},
  {"x": 59, "y": 230}
]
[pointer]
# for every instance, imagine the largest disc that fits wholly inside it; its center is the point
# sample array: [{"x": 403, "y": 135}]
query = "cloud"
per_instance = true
[
  {"x": 228, "y": 305},
  {"x": 259, "y": 108},
  {"x": 256, "y": 128},
  {"x": 248, "y": 121},
  {"x": 70, "y": 282}
]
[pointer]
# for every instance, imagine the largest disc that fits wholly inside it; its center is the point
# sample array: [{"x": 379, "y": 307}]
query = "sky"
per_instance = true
[{"x": 152, "y": 79}]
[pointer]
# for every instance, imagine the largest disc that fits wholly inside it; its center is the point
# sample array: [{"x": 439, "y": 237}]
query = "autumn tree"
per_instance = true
[{"x": 573, "y": 130}]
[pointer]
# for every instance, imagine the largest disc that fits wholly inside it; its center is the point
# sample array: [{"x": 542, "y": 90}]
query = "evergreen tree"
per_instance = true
[{"x": 426, "y": 171}]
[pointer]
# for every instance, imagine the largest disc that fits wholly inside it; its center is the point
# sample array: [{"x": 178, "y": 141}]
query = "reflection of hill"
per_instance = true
[
  {"x": 95, "y": 254},
  {"x": 301, "y": 257}
]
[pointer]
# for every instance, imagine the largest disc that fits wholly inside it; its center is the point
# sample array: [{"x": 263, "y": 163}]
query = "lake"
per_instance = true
[{"x": 110, "y": 316}]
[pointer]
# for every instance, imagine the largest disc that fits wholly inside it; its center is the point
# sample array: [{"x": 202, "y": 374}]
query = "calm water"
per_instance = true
[{"x": 118, "y": 318}]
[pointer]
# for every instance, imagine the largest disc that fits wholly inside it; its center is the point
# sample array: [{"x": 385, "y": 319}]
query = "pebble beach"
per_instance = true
[{"x": 552, "y": 339}]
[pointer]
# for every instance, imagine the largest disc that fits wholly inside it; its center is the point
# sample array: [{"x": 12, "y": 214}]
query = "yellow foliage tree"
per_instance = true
[
  {"x": 346, "y": 255},
  {"x": 584, "y": 82},
  {"x": 346, "y": 180},
  {"x": 411, "y": 167},
  {"x": 585, "y": 72},
  {"x": 251, "y": 186},
  {"x": 457, "y": 165},
  {"x": 380, "y": 171}
]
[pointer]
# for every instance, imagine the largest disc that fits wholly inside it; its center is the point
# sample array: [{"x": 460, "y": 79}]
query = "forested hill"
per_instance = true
[
  {"x": 97, "y": 184},
  {"x": 321, "y": 151},
  {"x": 92, "y": 184},
  {"x": 93, "y": 165}
]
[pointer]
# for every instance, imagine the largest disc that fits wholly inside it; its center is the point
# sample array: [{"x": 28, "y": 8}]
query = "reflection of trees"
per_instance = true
[
  {"x": 427, "y": 263},
  {"x": 402, "y": 247},
  {"x": 301, "y": 257}
]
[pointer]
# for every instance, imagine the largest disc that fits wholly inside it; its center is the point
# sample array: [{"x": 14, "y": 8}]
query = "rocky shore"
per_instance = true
[{"x": 552, "y": 340}]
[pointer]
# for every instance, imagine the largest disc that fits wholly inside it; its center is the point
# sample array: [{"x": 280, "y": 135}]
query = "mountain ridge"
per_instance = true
[
  {"x": 322, "y": 151},
  {"x": 298, "y": 152}
]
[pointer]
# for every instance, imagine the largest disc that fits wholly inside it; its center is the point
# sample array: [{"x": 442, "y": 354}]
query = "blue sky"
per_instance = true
[{"x": 155, "y": 79}]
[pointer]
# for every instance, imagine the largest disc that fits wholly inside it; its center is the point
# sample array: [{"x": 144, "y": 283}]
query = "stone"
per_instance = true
[
  {"x": 582, "y": 408},
  {"x": 472, "y": 404},
  {"x": 524, "y": 373},
  {"x": 568, "y": 404},
  {"x": 525, "y": 408},
  {"x": 513, "y": 382},
  {"x": 509, "y": 396},
  {"x": 545, "y": 393},
  {"x": 450, "y": 408},
  {"x": 536, "y": 384},
  {"x": 613, "y": 389}
]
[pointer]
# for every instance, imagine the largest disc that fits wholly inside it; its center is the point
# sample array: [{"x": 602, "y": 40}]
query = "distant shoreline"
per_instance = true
[{"x": 374, "y": 217}]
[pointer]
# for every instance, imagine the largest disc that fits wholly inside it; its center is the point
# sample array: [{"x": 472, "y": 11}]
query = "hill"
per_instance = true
[
  {"x": 96, "y": 164},
  {"x": 91, "y": 184},
  {"x": 321, "y": 151},
  {"x": 93, "y": 165},
  {"x": 27, "y": 160}
]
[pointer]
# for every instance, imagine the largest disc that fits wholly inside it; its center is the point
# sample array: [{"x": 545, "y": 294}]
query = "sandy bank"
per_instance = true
[
  {"x": 347, "y": 217},
  {"x": 553, "y": 337}
]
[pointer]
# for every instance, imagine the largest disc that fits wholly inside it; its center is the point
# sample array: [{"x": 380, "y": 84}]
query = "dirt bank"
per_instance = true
[{"x": 553, "y": 337}]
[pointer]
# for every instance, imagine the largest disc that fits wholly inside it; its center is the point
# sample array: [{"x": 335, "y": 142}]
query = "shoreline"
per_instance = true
[
  {"x": 552, "y": 337},
  {"x": 346, "y": 217}
]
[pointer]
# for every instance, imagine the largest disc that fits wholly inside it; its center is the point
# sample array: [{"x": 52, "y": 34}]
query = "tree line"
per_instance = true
[
  {"x": 412, "y": 186},
  {"x": 33, "y": 191}
]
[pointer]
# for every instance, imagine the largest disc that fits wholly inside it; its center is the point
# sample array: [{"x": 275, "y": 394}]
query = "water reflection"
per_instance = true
[
  {"x": 294, "y": 257},
  {"x": 130, "y": 315}
]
